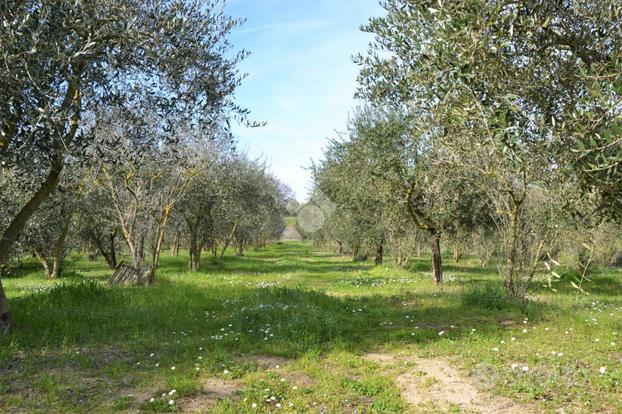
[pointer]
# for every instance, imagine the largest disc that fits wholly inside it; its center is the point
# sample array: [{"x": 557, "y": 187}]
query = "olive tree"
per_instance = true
[
  {"x": 207, "y": 188},
  {"x": 506, "y": 91},
  {"x": 63, "y": 60}
]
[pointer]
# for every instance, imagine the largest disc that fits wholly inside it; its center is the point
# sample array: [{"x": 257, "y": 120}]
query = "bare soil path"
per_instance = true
[{"x": 433, "y": 385}]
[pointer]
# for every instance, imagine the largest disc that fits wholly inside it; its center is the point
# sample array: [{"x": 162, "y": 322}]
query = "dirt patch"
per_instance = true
[
  {"x": 381, "y": 358},
  {"x": 214, "y": 391},
  {"x": 222, "y": 389},
  {"x": 198, "y": 404},
  {"x": 300, "y": 379},
  {"x": 435, "y": 383},
  {"x": 269, "y": 361}
]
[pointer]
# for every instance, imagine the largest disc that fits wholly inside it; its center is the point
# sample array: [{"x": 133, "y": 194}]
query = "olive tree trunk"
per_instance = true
[
  {"x": 59, "y": 249},
  {"x": 228, "y": 241},
  {"x": 437, "y": 260},
  {"x": 379, "y": 255},
  {"x": 175, "y": 246},
  {"x": 110, "y": 252},
  {"x": 512, "y": 246},
  {"x": 71, "y": 107},
  {"x": 435, "y": 236},
  {"x": 161, "y": 231},
  {"x": 5, "y": 316},
  {"x": 195, "y": 246},
  {"x": 45, "y": 262},
  {"x": 16, "y": 227}
]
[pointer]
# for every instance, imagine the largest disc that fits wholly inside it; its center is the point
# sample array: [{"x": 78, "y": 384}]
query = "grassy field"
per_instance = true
[{"x": 287, "y": 329}]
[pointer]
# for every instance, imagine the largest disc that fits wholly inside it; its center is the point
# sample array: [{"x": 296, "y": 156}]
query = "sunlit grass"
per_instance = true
[{"x": 80, "y": 347}]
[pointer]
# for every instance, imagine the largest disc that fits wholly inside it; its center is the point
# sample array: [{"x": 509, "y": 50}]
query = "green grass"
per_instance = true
[{"x": 78, "y": 347}]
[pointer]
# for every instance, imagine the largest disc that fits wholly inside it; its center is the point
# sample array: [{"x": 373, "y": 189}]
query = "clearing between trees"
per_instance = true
[{"x": 291, "y": 328}]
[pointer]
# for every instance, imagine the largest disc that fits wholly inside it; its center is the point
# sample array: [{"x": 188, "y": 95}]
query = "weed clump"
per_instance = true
[{"x": 488, "y": 297}]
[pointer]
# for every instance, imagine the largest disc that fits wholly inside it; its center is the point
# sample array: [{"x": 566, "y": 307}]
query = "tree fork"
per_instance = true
[{"x": 59, "y": 249}]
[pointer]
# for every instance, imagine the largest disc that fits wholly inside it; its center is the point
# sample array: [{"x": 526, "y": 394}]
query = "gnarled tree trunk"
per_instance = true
[
  {"x": 109, "y": 253},
  {"x": 45, "y": 262}
]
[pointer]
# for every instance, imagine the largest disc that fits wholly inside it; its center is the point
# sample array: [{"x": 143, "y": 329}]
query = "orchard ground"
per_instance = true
[{"x": 292, "y": 328}]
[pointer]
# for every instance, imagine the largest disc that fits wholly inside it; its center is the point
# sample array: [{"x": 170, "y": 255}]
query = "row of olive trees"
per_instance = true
[
  {"x": 68, "y": 67},
  {"x": 205, "y": 195},
  {"x": 489, "y": 118}
]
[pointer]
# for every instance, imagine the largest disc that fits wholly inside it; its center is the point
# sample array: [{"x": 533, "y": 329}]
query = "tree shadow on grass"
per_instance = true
[
  {"x": 258, "y": 266},
  {"x": 299, "y": 319},
  {"x": 261, "y": 264}
]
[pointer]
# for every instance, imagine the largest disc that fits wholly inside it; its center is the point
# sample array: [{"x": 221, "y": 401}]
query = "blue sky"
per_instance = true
[{"x": 301, "y": 79}]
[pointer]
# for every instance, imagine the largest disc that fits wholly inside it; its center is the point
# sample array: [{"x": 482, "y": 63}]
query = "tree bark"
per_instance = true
[
  {"x": 141, "y": 249},
  {"x": 175, "y": 246},
  {"x": 45, "y": 262},
  {"x": 112, "y": 260},
  {"x": 195, "y": 246},
  {"x": 59, "y": 249},
  {"x": 228, "y": 241},
  {"x": 511, "y": 251},
  {"x": 195, "y": 259},
  {"x": 240, "y": 251},
  {"x": 437, "y": 261},
  {"x": 195, "y": 250},
  {"x": 110, "y": 253},
  {"x": 18, "y": 223},
  {"x": 379, "y": 255},
  {"x": 5, "y": 316},
  {"x": 192, "y": 246},
  {"x": 166, "y": 213}
]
